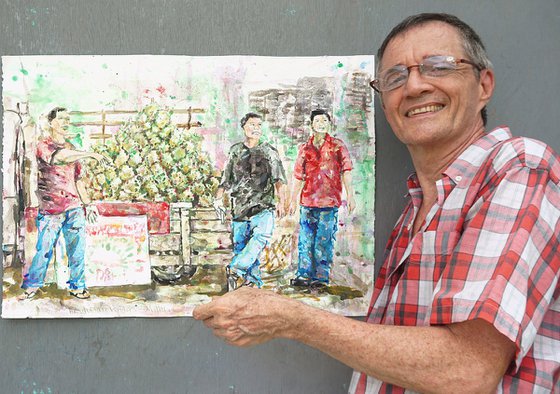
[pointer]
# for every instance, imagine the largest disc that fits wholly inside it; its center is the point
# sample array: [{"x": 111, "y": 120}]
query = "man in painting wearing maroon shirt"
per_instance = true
[
  {"x": 62, "y": 197},
  {"x": 323, "y": 165}
]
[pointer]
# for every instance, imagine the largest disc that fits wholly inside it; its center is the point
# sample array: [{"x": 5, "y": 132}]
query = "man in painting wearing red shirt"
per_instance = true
[
  {"x": 323, "y": 165},
  {"x": 62, "y": 197},
  {"x": 468, "y": 297}
]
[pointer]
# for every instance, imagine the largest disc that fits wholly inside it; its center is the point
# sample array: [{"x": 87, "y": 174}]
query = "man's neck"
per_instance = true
[
  {"x": 58, "y": 138},
  {"x": 431, "y": 160},
  {"x": 318, "y": 139},
  {"x": 251, "y": 142}
]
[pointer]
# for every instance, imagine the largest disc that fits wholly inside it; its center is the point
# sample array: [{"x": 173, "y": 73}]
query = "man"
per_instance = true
[
  {"x": 467, "y": 299},
  {"x": 323, "y": 164},
  {"x": 62, "y": 197},
  {"x": 254, "y": 176}
]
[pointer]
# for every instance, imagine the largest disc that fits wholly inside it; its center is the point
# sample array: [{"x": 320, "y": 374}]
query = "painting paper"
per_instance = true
[{"x": 153, "y": 136}]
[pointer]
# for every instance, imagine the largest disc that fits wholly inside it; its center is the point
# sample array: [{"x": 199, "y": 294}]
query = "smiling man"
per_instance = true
[
  {"x": 467, "y": 299},
  {"x": 255, "y": 179},
  {"x": 322, "y": 166},
  {"x": 62, "y": 196}
]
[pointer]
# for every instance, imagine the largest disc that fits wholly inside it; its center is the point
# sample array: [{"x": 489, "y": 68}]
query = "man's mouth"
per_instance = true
[{"x": 423, "y": 110}]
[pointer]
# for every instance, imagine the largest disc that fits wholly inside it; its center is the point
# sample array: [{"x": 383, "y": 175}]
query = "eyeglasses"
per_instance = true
[{"x": 432, "y": 66}]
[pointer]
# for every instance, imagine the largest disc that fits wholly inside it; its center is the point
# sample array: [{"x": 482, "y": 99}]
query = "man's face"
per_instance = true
[
  {"x": 428, "y": 110},
  {"x": 60, "y": 125},
  {"x": 252, "y": 128},
  {"x": 321, "y": 124}
]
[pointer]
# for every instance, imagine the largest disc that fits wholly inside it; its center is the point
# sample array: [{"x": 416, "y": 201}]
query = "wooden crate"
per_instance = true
[{"x": 198, "y": 237}]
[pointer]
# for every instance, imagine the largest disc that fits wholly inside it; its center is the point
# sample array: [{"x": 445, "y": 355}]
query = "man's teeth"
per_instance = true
[{"x": 429, "y": 108}]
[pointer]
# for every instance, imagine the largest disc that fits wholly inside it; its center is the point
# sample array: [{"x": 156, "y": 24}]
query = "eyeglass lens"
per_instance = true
[{"x": 433, "y": 66}]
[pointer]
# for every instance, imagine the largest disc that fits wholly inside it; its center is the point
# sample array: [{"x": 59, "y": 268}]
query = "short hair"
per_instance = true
[
  {"x": 317, "y": 112},
  {"x": 472, "y": 44},
  {"x": 54, "y": 112},
  {"x": 248, "y": 116}
]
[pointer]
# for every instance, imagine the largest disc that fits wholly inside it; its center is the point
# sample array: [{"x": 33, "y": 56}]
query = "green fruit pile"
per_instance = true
[{"x": 153, "y": 160}]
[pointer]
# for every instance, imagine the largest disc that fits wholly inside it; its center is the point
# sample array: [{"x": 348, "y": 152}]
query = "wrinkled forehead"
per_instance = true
[{"x": 418, "y": 42}]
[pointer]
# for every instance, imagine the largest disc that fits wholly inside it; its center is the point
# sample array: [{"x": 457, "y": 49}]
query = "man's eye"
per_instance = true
[
  {"x": 394, "y": 77},
  {"x": 439, "y": 68}
]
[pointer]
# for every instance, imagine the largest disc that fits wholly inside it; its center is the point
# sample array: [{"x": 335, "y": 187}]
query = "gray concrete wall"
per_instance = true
[{"x": 180, "y": 355}]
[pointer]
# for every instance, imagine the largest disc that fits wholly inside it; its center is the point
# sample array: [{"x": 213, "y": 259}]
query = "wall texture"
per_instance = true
[{"x": 180, "y": 355}]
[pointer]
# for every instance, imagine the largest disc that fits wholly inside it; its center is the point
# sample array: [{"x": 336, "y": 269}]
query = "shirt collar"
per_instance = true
[
  {"x": 328, "y": 139},
  {"x": 50, "y": 140},
  {"x": 461, "y": 171}
]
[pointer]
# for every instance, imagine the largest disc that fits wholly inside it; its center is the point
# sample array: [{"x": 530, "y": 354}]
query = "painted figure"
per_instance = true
[
  {"x": 467, "y": 299},
  {"x": 323, "y": 165},
  {"x": 255, "y": 178},
  {"x": 62, "y": 197}
]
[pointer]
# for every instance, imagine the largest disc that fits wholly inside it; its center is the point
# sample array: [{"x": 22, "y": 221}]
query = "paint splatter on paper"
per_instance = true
[{"x": 113, "y": 166}]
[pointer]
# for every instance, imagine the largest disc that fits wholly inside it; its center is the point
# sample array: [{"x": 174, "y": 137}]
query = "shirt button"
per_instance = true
[{"x": 458, "y": 178}]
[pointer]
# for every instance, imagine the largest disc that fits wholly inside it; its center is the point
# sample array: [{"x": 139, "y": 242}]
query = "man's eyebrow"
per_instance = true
[
  {"x": 423, "y": 58},
  {"x": 437, "y": 54},
  {"x": 391, "y": 66}
]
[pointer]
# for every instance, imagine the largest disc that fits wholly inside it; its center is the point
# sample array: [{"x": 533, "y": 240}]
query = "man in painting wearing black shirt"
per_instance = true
[{"x": 254, "y": 177}]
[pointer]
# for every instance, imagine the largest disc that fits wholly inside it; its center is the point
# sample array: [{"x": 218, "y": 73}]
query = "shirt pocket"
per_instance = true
[{"x": 431, "y": 254}]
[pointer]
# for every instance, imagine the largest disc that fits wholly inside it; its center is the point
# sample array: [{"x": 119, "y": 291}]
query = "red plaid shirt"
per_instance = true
[{"x": 488, "y": 249}]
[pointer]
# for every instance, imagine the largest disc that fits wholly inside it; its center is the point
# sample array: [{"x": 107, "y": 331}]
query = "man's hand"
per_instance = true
[
  {"x": 91, "y": 214},
  {"x": 351, "y": 204},
  {"x": 281, "y": 209},
  {"x": 295, "y": 196},
  {"x": 100, "y": 158},
  {"x": 294, "y": 203},
  {"x": 247, "y": 316},
  {"x": 220, "y": 209}
]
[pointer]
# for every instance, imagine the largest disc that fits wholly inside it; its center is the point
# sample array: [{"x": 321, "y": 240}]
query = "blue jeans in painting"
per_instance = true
[
  {"x": 72, "y": 224},
  {"x": 317, "y": 229},
  {"x": 250, "y": 237}
]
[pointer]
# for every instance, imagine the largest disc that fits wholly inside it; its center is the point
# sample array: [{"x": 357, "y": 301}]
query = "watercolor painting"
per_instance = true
[{"x": 145, "y": 185}]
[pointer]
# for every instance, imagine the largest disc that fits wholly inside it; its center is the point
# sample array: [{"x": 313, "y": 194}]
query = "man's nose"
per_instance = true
[{"x": 416, "y": 82}]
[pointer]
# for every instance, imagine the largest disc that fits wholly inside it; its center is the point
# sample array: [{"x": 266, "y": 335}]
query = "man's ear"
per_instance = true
[
  {"x": 487, "y": 85},
  {"x": 381, "y": 100}
]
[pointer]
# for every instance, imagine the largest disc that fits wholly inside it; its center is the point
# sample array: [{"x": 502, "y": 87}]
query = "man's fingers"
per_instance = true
[
  {"x": 219, "y": 324},
  {"x": 246, "y": 341},
  {"x": 230, "y": 335},
  {"x": 203, "y": 312}
]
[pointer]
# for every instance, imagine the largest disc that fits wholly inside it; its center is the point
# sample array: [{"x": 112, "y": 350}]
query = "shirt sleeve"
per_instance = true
[
  {"x": 277, "y": 168},
  {"x": 227, "y": 174},
  {"x": 78, "y": 170},
  {"x": 505, "y": 267},
  {"x": 299, "y": 167},
  {"x": 346, "y": 161}
]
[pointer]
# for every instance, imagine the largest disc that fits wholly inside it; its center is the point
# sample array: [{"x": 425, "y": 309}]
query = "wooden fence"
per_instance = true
[{"x": 108, "y": 118}]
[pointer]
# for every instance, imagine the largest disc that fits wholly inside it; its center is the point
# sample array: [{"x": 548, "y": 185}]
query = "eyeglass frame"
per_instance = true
[{"x": 420, "y": 66}]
